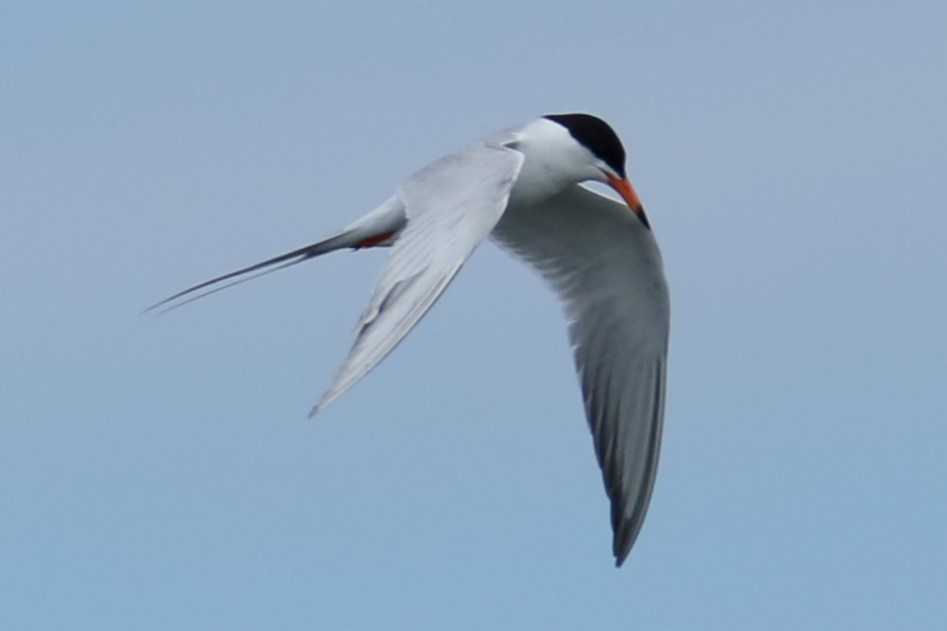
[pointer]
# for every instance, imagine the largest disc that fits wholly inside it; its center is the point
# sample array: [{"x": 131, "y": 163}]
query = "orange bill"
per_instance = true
[{"x": 623, "y": 186}]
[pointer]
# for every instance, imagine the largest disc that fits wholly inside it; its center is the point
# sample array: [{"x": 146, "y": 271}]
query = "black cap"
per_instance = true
[{"x": 597, "y": 136}]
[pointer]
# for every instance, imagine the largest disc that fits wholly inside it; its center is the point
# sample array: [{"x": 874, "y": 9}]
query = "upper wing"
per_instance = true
[
  {"x": 451, "y": 206},
  {"x": 605, "y": 266}
]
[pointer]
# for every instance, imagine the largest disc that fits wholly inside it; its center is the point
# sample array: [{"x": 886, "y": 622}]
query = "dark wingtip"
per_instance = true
[{"x": 621, "y": 550}]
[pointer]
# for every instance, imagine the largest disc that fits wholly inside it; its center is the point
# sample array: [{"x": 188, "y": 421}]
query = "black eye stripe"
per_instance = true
[{"x": 597, "y": 136}]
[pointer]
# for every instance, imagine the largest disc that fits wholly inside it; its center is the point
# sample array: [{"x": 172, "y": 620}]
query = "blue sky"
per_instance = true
[{"x": 160, "y": 473}]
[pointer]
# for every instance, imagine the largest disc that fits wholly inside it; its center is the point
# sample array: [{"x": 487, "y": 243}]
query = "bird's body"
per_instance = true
[{"x": 521, "y": 188}]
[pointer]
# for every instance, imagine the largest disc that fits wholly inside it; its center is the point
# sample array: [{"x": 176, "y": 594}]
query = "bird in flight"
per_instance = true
[{"x": 522, "y": 188}]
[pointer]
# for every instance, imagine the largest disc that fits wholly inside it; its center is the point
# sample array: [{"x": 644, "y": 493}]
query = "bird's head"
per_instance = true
[{"x": 604, "y": 155}]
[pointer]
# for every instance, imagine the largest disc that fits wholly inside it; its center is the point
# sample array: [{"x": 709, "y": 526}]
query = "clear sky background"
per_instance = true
[{"x": 161, "y": 473}]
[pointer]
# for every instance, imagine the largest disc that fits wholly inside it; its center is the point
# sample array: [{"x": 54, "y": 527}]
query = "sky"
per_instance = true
[{"x": 162, "y": 473}]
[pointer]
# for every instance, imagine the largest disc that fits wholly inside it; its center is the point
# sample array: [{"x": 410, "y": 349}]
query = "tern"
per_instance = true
[{"x": 522, "y": 188}]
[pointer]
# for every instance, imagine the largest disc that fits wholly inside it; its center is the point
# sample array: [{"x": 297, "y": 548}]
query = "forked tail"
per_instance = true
[{"x": 379, "y": 228}]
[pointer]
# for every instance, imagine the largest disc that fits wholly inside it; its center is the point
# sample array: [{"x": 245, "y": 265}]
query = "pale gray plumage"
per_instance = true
[
  {"x": 447, "y": 214},
  {"x": 606, "y": 268},
  {"x": 521, "y": 187}
]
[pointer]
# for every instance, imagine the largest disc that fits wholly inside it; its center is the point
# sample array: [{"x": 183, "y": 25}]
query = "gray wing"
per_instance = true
[
  {"x": 606, "y": 268},
  {"x": 450, "y": 206}
]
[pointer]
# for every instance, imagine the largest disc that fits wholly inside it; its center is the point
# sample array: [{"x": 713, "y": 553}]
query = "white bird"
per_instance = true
[{"x": 521, "y": 187}]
